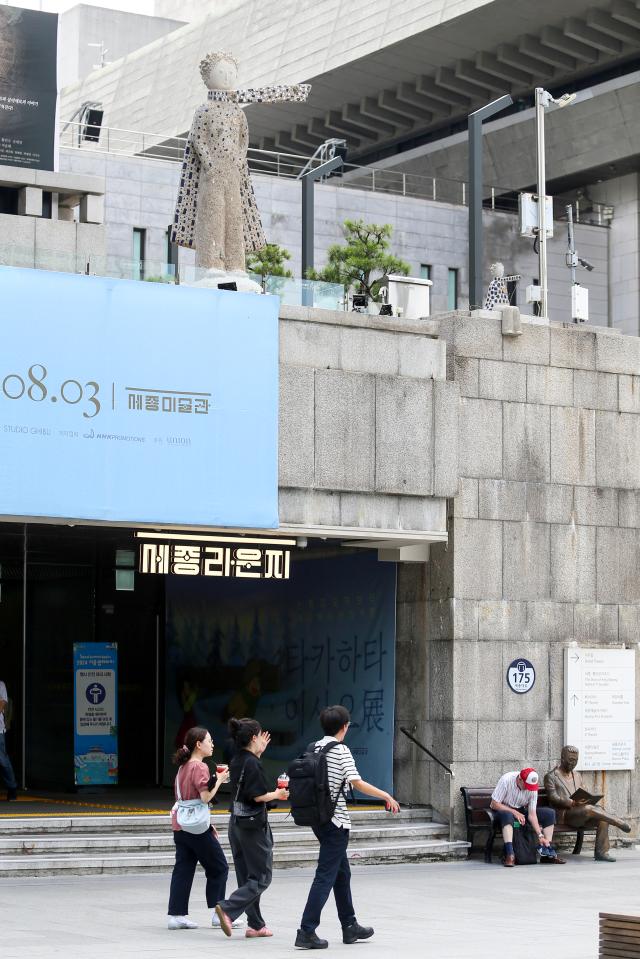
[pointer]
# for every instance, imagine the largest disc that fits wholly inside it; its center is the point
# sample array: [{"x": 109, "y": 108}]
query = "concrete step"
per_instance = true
[
  {"x": 154, "y": 823},
  {"x": 163, "y": 842},
  {"x": 386, "y": 851},
  {"x": 91, "y": 845}
]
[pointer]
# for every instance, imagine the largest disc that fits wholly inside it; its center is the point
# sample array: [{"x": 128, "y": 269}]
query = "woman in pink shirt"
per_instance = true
[{"x": 196, "y": 782}]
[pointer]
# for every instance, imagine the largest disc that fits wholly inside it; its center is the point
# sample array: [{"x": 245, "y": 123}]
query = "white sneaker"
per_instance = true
[
  {"x": 238, "y": 923},
  {"x": 181, "y": 922}
]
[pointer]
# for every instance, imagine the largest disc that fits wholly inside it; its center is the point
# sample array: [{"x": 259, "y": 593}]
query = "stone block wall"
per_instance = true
[
  {"x": 368, "y": 423},
  {"x": 543, "y": 551}
]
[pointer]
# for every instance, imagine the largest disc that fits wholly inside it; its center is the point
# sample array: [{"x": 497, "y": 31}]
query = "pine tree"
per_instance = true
[{"x": 364, "y": 253}]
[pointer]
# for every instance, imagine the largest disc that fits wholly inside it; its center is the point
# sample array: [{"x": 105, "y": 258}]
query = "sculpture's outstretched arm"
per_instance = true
[{"x": 296, "y": 92}]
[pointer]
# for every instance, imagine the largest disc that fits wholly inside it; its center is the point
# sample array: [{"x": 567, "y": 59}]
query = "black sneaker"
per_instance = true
[
  {"x": 12, "y": 795},
  {"x": 309, "y": 940},
  {"x": 355, "y": 931}
]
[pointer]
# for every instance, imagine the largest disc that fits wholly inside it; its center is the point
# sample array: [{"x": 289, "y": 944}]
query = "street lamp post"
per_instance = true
[
  {"x": 543, "y": 101},
  {"x": 308, "y": 180}
]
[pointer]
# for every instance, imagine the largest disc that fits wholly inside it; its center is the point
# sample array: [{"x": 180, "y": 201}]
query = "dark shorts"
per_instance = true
[{"x": 546, "y": 816}]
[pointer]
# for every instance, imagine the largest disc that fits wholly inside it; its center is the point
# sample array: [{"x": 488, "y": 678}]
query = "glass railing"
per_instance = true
[{"x": 292, "y": 292}]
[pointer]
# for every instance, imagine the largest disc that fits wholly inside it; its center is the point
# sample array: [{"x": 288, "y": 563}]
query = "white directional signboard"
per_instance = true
[{"x": 599, "y": 706}]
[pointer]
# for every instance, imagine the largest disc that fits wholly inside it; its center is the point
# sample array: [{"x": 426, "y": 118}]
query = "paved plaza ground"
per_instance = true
[{"x": 442, "y": 910}]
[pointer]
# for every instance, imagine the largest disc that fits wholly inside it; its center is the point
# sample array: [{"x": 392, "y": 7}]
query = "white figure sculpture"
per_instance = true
[
  {"x": 497, "y": 294},
  {"x": 497, "y": 298},
  {"x": 216, "y": 211}
]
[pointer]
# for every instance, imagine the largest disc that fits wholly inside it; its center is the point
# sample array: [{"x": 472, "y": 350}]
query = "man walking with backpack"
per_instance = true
[{"x": 333, "y": 871}]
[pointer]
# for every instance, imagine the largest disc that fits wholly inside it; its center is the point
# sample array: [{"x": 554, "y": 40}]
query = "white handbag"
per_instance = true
[{"x": 192, "y": 815}]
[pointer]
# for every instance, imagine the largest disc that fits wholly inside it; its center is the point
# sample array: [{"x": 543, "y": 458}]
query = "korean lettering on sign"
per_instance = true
[{"x": 249, "y": 561}]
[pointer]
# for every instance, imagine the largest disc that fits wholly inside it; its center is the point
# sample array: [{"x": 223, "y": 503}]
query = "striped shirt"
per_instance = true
[
  {"x": 508, "y": 793},
  {"x": 340, "y": 767}
]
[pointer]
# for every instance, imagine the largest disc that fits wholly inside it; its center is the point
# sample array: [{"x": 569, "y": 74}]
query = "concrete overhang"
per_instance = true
[
  {"x": 70, "y": 184},
  {"x": 574, "y": 155},
  {"x": 382, "y": 79}
]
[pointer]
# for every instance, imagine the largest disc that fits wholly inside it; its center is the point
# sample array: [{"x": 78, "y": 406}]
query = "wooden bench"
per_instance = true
[{"x": 478, "y": 817}]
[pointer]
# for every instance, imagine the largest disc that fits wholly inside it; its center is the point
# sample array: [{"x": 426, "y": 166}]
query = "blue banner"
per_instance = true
[
  {"x": 281, "y": 651},
  {"x": 95, "y": 672},
  {"x": 137, "y": 402}
]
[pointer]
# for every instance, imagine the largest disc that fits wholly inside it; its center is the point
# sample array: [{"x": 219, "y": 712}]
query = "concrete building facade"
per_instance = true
[{"x": 543, "y": 552}]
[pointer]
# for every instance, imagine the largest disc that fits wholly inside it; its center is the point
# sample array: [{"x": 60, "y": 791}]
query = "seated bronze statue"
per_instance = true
[{"x": 561, "y": 783}]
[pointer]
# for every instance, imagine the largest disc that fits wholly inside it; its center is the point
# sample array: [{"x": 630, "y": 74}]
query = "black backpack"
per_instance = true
[
  {"x": 524, "y": 845},
  {"x": 309, "y": 794}
]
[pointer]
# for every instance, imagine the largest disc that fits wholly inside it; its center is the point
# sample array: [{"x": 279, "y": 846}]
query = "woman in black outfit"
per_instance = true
[{"x": 249, "y": 830}]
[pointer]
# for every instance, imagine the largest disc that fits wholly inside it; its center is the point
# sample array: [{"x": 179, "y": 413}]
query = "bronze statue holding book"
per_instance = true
[{"x": 577, "y": 807}]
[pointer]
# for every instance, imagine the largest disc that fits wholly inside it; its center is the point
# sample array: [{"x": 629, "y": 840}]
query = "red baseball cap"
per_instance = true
[{"x": 529, "y": 779}]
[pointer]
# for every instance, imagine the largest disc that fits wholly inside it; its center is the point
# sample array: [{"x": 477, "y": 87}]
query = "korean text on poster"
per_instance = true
[{"x": 95, "y": 670}]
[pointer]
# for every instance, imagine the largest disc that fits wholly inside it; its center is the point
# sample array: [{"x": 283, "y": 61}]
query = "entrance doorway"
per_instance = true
[{"x": 57, "y": 588}]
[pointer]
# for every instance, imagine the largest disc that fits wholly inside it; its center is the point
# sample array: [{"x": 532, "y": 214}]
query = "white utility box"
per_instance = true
[
  {"x": 528, "y": 210},
  {"x": 579, "y": 303},
  {"x": 533, "y": 294},
  {"x": 411, "y": 294}
]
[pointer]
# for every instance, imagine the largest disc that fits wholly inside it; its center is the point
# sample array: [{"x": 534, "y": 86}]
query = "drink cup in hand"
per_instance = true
[
  {"x": 222, "y": 772},
  {"x": 283, "y": 781}
]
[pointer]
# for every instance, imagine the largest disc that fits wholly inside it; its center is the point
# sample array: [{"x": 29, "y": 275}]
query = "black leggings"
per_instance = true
[{"x": 191, "y": 850}]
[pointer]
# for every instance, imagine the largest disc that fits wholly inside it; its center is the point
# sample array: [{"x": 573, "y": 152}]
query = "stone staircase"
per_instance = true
[{"x": 93, "y": 845}]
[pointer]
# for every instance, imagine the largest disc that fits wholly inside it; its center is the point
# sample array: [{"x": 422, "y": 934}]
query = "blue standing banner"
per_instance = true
[{"x": 95, "y": 671}]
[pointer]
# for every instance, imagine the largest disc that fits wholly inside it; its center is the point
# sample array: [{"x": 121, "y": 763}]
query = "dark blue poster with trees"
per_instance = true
[{"x": 281, "y": 650}]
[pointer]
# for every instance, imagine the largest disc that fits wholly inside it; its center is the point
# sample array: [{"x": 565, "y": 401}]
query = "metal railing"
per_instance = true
[
  {"x": 446, "y": 768},
  {"x": 166, "y": 146},
  {"x": 159, "y": 146},
  {"x": 427, "y": 751}
]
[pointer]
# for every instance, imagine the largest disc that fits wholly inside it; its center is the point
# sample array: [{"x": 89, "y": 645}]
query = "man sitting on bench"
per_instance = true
[{"x": 516, "y": 798}]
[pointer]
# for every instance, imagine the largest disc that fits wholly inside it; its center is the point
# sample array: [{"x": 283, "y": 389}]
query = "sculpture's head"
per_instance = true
[
  {"x": 569, "y": 757},
  {"x": 219, "y": 71},
  {"x": 497, "y": 269}
]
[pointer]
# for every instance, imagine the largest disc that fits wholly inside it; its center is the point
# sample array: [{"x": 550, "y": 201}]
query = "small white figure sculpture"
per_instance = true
[
  {"x": 216, "y": 211},
  {"x": 497, "y": 298},
  {"x": 497, "y": 294}
]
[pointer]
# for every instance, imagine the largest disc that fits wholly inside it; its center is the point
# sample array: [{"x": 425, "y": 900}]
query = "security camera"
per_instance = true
[
  {"x": 565, "y": 99},
  {"x": 585, "y": 263}
]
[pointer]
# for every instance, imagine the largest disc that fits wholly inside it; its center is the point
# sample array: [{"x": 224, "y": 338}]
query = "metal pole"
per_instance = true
[
  {"x": 157, "y": 699},
  {"x": 308, "y": 180},
  {"x": 475, "y": 195},
  {"x": 542, "y": 204},
  {"x": 24, "y": 657},
  {"x": 572, "y": 243},
  {"x": 475, "y": 212},
  {"x": 307, "y": 224}
]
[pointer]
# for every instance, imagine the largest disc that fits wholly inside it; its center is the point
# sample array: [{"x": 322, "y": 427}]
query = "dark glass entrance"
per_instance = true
[{"x": 71, "y": 597}]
